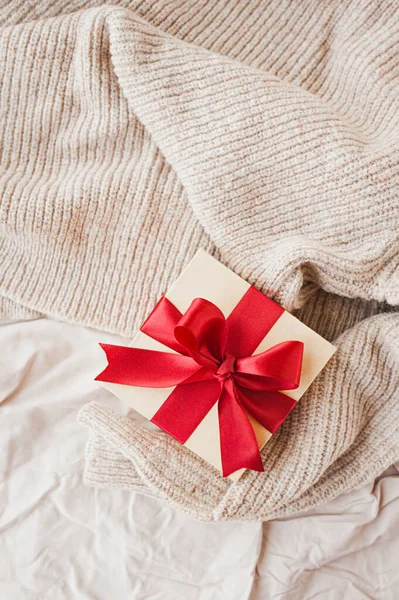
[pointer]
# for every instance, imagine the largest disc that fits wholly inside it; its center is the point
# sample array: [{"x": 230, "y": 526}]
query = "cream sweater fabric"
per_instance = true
[{"x": 266, "y": 132}]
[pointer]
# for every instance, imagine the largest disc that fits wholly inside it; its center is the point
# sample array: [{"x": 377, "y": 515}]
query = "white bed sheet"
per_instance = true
[{"x": 61, "y": 540}]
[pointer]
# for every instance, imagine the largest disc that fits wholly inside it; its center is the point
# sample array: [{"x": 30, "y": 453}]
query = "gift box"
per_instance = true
[{"x": 217, "y": 365}]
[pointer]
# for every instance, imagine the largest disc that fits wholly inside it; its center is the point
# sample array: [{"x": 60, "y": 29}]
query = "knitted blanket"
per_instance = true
[{"x": 265, "y": 132}]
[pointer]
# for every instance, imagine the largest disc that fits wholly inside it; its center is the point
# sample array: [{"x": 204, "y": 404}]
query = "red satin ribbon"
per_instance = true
[{"x": 214, "y": 363}]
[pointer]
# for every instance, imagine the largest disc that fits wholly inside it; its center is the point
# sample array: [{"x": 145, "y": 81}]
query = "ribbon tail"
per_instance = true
[
  {"x": 186, "y": 407},
  {"x": 270, "y": 409},
  {"x": 145, "y": 368},
  {"x": 238, "y": 445}
]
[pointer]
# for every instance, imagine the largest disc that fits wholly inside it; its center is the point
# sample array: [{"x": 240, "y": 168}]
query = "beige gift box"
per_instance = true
[{"x": 205, "y": 277}]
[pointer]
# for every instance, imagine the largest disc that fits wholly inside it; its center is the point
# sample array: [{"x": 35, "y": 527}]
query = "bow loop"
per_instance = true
[
  {"x": 278, "y": 368},
  {"x": 202, "y": 331}
]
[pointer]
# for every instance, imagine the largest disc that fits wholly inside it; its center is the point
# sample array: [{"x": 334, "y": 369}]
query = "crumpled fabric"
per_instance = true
[{"x": 61, "y": 539}]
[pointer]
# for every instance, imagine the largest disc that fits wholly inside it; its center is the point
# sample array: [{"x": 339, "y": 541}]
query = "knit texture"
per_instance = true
[{"x": 264, "y": 132}]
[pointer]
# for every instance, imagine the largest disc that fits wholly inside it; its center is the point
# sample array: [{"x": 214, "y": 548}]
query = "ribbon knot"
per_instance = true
[
  {"x": 213, "y": 362},
  {"x": 226, "y": 368}
]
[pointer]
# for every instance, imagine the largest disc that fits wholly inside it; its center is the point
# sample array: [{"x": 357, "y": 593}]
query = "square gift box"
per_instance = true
[{"x": 215, "y": 357}]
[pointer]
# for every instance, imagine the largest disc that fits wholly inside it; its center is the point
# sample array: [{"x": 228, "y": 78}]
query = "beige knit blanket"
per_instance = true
[{"x": 266, "y": 132}]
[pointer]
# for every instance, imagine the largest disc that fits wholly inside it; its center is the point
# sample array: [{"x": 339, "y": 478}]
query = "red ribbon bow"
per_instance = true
[{"x": 214, "y": 362}]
